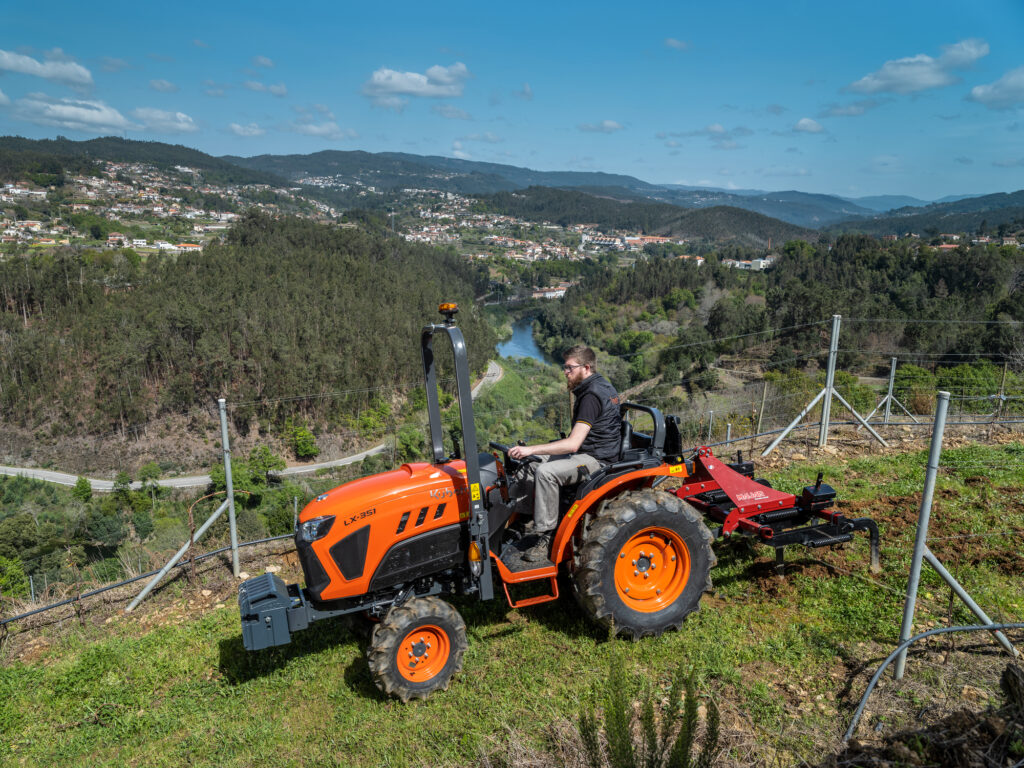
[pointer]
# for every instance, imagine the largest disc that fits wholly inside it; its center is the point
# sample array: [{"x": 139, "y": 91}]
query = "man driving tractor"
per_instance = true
[{"x": 593, "y": 441}]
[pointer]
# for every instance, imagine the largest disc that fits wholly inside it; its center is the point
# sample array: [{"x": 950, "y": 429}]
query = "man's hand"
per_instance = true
[
  {"x": 520, "y": 452},
  {"x": 566, "y": 445}
]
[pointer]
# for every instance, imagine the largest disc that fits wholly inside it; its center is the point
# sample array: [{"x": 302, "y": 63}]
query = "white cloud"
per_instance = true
[
  {"x": 57, "y": 54},
  {"x": 450, "y": 112},
  {"x": 807, "y": 125},
  {"x": 325, "y": 130},
  {"x": 4, "y": 101},
  {"x": 71, "y": 114},
  {"x": 200, "y": 44},
  {"x": 59, "y": 71},
  {"x": 252, "y": 129},
  {"x": 459, "y": 152},
  {"x": 1005, "y": 93},
  {"x": 775, "y": 109},
  {"x": 921, "y": 72},
  {"x": 679, "y": 45},
  {"x": 1018, "y": 163},
  {"x": 605, "y": 126},
  {"x": 163, "y": 86},
  {"x": 277, "y": 90},
  {"x": 720, "y": 137},
  {"x": 526, "y": 93},
  {"x": 389, "y": 88},
  {"x": 261, "y": 61},
  {"x": 162, "y": 121}
]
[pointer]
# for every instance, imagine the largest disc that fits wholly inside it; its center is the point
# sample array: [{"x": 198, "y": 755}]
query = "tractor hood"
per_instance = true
[{"x": 346, "y": 533}]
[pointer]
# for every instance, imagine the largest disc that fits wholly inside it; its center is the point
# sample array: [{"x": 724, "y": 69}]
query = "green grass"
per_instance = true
[{"x": 766, "y": 648}]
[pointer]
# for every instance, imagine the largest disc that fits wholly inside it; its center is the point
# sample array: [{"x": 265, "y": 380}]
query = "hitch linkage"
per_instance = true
[{"x": 728, "y": 494}]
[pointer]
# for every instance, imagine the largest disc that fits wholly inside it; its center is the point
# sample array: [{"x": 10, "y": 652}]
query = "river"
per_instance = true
[{"x": 522, "y": 344}]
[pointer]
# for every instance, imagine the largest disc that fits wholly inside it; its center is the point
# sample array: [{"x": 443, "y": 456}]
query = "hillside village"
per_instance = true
[
  {"x": 158, "y": 210},
  {"x": 151, "y": 210}
]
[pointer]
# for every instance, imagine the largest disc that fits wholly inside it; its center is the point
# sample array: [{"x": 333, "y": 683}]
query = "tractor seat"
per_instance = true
[{"x": 634, "y": 445}]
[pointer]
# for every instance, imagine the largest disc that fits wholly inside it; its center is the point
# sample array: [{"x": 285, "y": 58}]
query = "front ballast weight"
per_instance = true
[{"x": 729, "y": 495}]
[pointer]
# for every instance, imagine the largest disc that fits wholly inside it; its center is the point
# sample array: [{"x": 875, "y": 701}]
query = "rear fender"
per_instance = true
[{"x": 589, "y": 504}]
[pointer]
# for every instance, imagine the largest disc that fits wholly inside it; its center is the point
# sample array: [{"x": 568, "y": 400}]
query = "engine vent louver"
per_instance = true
[{"x": 349, "y": 554}]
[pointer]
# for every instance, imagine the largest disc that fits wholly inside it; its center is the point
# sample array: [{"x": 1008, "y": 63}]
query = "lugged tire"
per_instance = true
[
  {"x": 639, "y": 530},
  {"x": 417, "y": 648}
]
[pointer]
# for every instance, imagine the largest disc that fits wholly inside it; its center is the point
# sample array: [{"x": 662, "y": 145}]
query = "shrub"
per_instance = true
[
  {"x": 13, "y": 581},
  {"x": 301, "y": 441},
  {"x": 650, "y": 745}
]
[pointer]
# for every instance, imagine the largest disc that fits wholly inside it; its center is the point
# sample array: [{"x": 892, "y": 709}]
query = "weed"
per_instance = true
[{"x": 648, "y": 745}]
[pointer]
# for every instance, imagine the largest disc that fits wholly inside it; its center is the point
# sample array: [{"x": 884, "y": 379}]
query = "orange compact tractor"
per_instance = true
[{"x": 638, "y": 558}]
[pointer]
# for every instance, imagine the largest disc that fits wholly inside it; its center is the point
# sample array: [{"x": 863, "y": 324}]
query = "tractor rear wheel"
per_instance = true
[
  {"x": 417, "y": 648},
  {"x": 645, "y": 563}
]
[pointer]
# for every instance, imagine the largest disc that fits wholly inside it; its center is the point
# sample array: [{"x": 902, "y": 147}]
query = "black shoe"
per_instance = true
[{"x": 541, "y": 549}]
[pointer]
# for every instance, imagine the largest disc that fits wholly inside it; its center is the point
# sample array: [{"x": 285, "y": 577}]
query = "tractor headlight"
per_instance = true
[{"x": 317, "y": 528}]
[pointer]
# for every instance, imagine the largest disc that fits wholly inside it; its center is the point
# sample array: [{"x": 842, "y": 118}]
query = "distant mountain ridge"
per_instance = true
[
  {"x": 14, "y": 149},
  {"x": 396, "y": 170},
  {"x": 717, "y": 223},
  {"x": 964, "y": 215}
]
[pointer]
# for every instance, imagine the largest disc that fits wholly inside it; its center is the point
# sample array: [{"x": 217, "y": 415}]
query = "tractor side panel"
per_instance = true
[{"x": 376, "y": 513}]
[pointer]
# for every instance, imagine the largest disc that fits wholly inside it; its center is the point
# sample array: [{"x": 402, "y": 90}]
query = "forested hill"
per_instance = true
[
  {"x": 986, "y": 214},
  {"x": 20, "y": 158},
  {"x": 285, "y": 308},
  {"x": 398, "y": 170},
  {"x": 719, "y": 224},
  {"x": 917, "y": 298}
]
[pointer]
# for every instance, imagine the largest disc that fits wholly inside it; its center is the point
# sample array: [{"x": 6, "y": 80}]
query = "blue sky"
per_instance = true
[{"x": 918, "y": 98}]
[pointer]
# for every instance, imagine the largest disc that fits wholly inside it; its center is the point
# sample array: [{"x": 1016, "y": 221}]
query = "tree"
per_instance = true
[
  {"x": 149, "y": 473},
  {"x": 301, "y": 441},
  {"x": 82, "y": 490}
]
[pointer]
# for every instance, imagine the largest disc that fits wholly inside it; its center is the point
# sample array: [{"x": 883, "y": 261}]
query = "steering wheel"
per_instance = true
[{"x": 512, "y": 465}]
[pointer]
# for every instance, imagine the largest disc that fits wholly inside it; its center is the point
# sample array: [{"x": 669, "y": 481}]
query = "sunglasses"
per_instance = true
[{"x": 571, "y": 368}]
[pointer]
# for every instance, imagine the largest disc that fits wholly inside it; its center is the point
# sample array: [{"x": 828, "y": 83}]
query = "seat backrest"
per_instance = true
[{"x": 626, "y": 443}]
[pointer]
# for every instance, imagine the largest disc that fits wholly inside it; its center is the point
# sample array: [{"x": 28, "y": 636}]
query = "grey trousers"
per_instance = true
[{"x": 541, "y": 481}]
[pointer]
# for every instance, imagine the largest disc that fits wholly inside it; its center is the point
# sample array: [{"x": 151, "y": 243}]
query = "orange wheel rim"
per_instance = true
[
  {"x": 652, "y": 570},
  {"x": 423, "y": 653}
]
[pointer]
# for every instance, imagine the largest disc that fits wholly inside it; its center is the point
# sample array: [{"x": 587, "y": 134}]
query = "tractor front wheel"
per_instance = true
[
  {"x": 645, "y": 563},
  {"x": 417, "y": 648}
]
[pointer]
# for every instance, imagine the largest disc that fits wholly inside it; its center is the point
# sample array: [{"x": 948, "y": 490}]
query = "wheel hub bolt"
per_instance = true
[{"x": 647, "y": 575}]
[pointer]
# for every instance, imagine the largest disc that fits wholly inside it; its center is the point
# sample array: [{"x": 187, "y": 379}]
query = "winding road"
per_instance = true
[{"x": 492, "y": 376}]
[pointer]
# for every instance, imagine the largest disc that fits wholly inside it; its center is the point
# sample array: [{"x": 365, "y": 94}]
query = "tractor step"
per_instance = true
[{"x": 512, "y": 557}]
